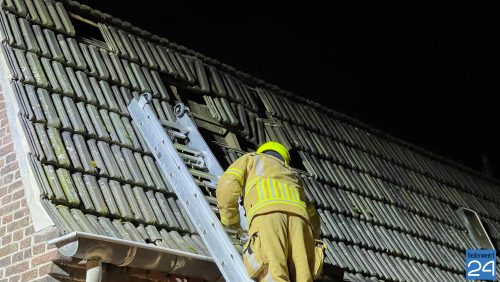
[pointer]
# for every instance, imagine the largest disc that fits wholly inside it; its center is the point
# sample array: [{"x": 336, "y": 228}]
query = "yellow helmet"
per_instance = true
[{"x": 277, "y": 147}]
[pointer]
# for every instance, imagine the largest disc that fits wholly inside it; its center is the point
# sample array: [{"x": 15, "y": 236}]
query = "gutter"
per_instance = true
[{"x": 121, "y": 252}]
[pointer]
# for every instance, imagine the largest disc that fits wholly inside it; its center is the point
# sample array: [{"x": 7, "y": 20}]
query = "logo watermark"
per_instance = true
[{"x": 480, "y": 264}]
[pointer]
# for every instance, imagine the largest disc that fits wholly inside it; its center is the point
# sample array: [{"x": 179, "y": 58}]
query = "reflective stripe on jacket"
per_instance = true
[{"x": 267, "y": 185}]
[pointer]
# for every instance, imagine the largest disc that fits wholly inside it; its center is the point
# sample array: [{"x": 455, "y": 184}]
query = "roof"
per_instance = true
[{"x": 387, "y": 207}]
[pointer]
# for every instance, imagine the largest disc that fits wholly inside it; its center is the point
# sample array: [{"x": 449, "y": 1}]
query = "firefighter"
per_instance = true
[{"x": 283, "y": 225}]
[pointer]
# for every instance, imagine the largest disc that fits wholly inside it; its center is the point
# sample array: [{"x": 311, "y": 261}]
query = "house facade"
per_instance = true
[{"x": 81, "y": 195}]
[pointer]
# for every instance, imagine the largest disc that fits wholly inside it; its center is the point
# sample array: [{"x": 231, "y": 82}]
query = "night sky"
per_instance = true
[{"x": 426, "y": 74}]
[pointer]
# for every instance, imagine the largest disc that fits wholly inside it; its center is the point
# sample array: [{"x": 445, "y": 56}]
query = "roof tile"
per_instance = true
[
  {"x": 82, "y": 191},
  {"x": 96, "y": 225},
  {"x": 169, "y": 67},
  {"x": 191, "y": 245},
  {"x": 355, "y": 258},
  {"x": 37, "y": 70},
  {"x": 122, "y": 164},
  {"x": 57, "y": 145},
  {"x": 199, "y": 70},
  {"x": 139, "y": 78},
  {"x": 86, "y": 88},
  {"x": 185, "y": 215},
  {"x": 109, "y": 160},
  {"x": 150, "y": 83},
  {"x": 67, "y": 217},
  {"x": 25, "y": 110},
  {"x": 156, "y": 208},
  {"x": 153, "y": 235},
  {"x": 81, "y": 106},
  {"x": 82, "y": 221},
  {"x": 98, "y": 62},
  {"x": 128, "y": 229},
  {"x": 168, "y": 240},
  {"x": 109, "y": 96},
  {"x": 167, "y": 212},
  {"x": 91, "y": 68},
  {"x": 15, "y": 32},
  {"x": 101, "y": 99},
  {"x": 200, "y": 245},
  {"x": 63, "y": 44},
  {"x": 147, "y": 211},
  {"x": 29, "y": 36},
  {"x": 40, "y": 38},
  {"x": 49, "y": 72},
  {"x": 180, "y": 241},
  {"x": 55, "y": 186},
  {"x": 53, "y": 44},
  {"x": 120, "y": 99},
  {"x": 97, "y": 122},
  {"x": 63, "y": 227},
  {"x": 120, "y": 71},
  {"x": 63, "y": 79},
  {"x": 95, "y": 194},
  {"x": 38, "y": 12},
  {"x": 177, "y": 213},
  {"x": 35, "y": 146},
  {"x": 77, "y": 124},
  {"x": 130, "y": 75},
  {"x": 152, "y": 168},
  {"x": 84, "y": 154},
  {"x": 108, "y": 197},
  {"x": 71, "y": 150},
  {"x": 5, "y": 32},
  {"x": 66, "y": 22},
  {"x": 58, "y": 25},
  {"x": 183, "y": 68},
  {"x": 334, "y": 254},
  {"x": 61, "y": 112},
  {"x": 137, "y": 48},
  {"x": 73, "y": 54},
  {"x": 128, "y": 48}
]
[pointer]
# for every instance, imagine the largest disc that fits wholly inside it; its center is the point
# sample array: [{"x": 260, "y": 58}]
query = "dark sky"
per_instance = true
[{"x": 423, "y": 73}]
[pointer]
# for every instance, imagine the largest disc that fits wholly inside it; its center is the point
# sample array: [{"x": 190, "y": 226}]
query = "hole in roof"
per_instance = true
[
  {"x": 296, "y": 160},
  {"x": 88, "y": 30},
  {"x": 260, "y": 105}
]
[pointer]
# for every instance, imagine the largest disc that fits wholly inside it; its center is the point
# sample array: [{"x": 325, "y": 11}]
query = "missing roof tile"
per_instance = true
[{"x": 87, "y": 30}]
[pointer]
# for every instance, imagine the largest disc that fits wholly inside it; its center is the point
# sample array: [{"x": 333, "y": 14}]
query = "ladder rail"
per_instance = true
[{"x": 191, "y": 197}]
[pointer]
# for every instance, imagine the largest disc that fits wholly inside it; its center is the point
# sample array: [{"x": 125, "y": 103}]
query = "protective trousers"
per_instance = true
[{"x": 280, "y": 248}]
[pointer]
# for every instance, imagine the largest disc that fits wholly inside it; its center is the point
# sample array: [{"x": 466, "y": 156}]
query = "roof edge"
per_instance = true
[{"x": 122, "y": 252}]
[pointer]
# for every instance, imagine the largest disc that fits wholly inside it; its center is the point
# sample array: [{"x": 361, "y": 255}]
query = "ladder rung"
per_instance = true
[
  {"x": 211, "y": 200},
  {"x": 175, "y": 125},
  {"x": 174, "y": 133},
  {"x": 177, "y": 134},
  {"x": 193, "y": 160},
  {"x": 202, "y": 174},
  {"x": 187, "y": 149},
  {"x": 208, "y": 185}
]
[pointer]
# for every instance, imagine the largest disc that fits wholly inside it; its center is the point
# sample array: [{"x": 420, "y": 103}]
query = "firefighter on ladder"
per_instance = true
[{"x": 283, "y": 225}]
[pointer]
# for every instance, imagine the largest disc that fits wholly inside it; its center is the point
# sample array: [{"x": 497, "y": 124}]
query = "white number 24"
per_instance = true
[{"x": 472, "y": 271}]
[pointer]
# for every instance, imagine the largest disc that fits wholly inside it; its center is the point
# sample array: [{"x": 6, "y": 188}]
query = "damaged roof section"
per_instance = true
[{"x": 387, "y": 207}]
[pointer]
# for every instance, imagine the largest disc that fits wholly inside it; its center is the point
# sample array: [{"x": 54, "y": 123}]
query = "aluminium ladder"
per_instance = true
[{"x": 172, "y": 158}]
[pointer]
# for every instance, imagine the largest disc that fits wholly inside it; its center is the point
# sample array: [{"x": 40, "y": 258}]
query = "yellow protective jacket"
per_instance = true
[{"x": 267, "y": 185}]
